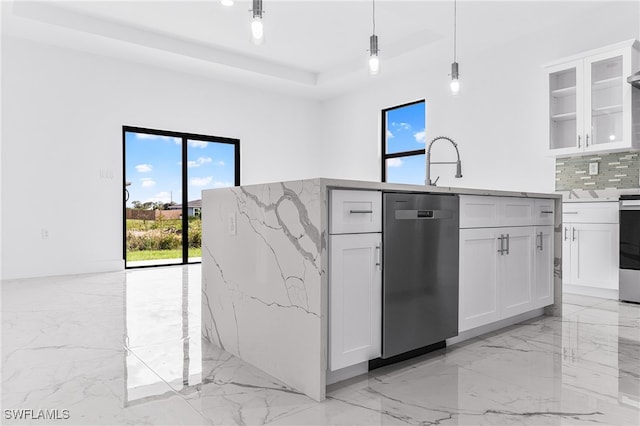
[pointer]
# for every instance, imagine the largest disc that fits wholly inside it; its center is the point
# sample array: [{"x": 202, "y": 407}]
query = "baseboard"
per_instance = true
[
  {"x": 488, "y": 328},
  {"x": 79, "y": 269},
  {"x": 603, "y": 293}
]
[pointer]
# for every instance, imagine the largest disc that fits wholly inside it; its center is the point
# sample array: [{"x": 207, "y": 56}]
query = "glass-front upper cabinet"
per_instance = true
[
  {"x": 590, "y": 101},
  {"x": 565, "y": 106},
  {"x": 607, "y": 93}
]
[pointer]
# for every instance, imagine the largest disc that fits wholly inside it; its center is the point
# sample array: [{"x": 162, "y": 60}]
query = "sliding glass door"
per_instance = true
[{"x": 164, "y": 174}]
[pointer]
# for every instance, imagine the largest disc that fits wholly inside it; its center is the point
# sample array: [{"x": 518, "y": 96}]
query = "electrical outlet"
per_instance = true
[
  {"x": 593, "y": 169},
  {"x": 106, "y": 174},
  {"x": 233, "y": 224},
  {"x": 44, "y": 232}
]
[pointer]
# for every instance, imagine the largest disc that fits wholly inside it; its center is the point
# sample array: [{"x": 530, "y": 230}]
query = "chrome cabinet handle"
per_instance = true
[
  {"x": 360, "y": 211},
  {"x": 579, "y": 144},
  {"x": 378, "y": 257},
  {"x": 546, "y": 212},
  {"x": 569, "y": 212},
  {"x": 539, "y": 246},
  {"x": 507, "y": 243},
  {"x": 573, "y": 234},
  {"x": 501, "y": 238},
  {"x": 587, "y": 140},
  {"x": 565, "y": 233}
]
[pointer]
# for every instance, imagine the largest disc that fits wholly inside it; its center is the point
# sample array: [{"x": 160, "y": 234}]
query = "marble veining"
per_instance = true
[
  {"x": 262, "y": 281},
  {"x": 125, "y": 348}
]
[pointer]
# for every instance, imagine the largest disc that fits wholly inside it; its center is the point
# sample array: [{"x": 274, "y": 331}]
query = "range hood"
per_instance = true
[{"x": 634, "y": 80}]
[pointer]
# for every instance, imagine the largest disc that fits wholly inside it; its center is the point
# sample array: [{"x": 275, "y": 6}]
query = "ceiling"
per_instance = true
[{"x": 315, "y": 48}]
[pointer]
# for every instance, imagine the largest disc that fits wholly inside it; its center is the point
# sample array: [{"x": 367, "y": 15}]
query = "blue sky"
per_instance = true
[
  {"x": 154, "y": 167},
  {"x": 406, "y": 132}
]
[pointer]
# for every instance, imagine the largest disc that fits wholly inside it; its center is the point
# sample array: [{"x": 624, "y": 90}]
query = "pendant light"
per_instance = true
[
  {"x": 455, "y": 82},
  {"x": 257, "y": 27},
  {"x": 227, "y": 3},
  {"x": 374, "y": 61}
]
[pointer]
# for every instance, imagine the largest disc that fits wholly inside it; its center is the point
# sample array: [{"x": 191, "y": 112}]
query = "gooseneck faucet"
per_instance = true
[{"x": 429, "y": 162}]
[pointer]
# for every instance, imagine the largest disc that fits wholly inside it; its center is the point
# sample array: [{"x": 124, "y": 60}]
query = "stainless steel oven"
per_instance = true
[{"x": 630, "y": 248}]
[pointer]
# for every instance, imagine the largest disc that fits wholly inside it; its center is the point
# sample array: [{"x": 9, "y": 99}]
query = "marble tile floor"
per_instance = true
[{"x": 125, "y": 348}]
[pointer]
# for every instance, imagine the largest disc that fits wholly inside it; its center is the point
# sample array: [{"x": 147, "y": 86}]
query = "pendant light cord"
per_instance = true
[
  {"x": 455, "y": 13},
  {"x": 374, "y": 17}
]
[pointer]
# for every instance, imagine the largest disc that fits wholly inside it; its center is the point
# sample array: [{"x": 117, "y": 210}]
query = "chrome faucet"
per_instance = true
[{"x": 429, "y": 162}]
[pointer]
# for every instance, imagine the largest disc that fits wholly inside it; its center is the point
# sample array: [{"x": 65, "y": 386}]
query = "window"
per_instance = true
[
  {"x": 164, "y": 175},
  {"x": 403, "y": 143}
]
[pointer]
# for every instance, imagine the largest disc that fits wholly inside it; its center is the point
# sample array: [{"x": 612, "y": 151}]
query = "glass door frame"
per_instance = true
[{"x": 185, "y": 137}]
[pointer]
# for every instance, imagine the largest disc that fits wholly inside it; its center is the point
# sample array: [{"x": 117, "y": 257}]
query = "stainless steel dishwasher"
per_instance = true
[{"x": 420, "y": 271}]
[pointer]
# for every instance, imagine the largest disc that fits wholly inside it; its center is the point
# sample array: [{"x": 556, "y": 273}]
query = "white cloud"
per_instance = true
[
  {"x": 201, "y": 181},
  {"x": 144, "y": 168},
  {"x": 401, "y": 125},
  {"x": 394, "y": 162},
  {"x": 420, "y": 136},
  {"x": 389, "y": 134},
  {"x": 219, "y": 163},
  {"x": 148, "y": 136},
  {"x": 162, "y": 197},
  {"x": 198, "y": 144},
  {"x": 199, "y": 162},
  {"x": 148, "y": 182}
]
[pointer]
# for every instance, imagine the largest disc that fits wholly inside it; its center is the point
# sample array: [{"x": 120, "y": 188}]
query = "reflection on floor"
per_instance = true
[{"x": 125, "y": 348}]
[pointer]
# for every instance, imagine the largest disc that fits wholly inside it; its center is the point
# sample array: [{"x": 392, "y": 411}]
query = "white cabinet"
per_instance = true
[
  {"x": 590, "y": 105},
  {"x": 496, "y": 274},
  {"x": 506, "y": 257},
  {"x": 355, "y": 277},
  {"x": 355, "y": 299},
  {"x": 590, "y": 245},
  {"x": 543, "y": 264}
]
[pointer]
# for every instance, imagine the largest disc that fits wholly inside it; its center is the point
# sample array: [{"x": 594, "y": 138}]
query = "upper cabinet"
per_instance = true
[{"x": 590, "y": 101}]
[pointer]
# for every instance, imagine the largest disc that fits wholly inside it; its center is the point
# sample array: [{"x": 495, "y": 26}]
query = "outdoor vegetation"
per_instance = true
[{"x": 161, "y": 239}]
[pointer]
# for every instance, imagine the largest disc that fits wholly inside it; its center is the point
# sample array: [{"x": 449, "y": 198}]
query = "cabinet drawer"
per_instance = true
[
  {"x": 517, "y": 211},
  {"x": 354, "y": 212},
  {"x": 597, "y": 212},
  {"x": 479, "y": 211},
  {"x": 544, "y": 211}
]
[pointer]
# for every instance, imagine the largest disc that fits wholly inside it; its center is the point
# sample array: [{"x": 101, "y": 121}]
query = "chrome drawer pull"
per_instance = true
[{"x": 360, "y": 211}]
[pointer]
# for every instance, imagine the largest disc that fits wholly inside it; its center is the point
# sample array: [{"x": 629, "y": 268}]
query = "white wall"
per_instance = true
[
  {"x": 62, "y": 117},
  {"x": 498, "y": 119}
]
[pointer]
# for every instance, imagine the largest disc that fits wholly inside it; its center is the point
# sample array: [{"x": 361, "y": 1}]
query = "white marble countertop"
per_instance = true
[{"x": 384, "y": 186}]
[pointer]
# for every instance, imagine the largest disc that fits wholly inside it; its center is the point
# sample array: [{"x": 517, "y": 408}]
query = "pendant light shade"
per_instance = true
[
  {"x": 455, "y": 83},
  {"x": 257, "y": 26},
  {"x": 374, "y": 60},
  {"x": 227, "y": 3}
]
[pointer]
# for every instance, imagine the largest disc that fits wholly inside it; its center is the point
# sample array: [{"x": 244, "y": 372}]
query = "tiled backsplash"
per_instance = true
[{"x": 619, "y": 170}]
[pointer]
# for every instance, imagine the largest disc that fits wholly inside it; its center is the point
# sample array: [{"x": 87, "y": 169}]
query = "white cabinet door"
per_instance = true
[
  {"x": 565, "y": 108},
  {"x": 543, "y": 276},
  {"x": 355, "y": 299},
  {"x": 516, "y": 211},
  {"x": 354, "y": 212},
  {"x": 478, "y": 300},
  {"x": 517, "y": 271},
  {"x": 594, "y": 255}
]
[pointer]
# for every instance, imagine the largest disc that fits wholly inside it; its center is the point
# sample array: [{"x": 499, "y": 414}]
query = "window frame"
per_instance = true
[{"x": 383, "y": 138}]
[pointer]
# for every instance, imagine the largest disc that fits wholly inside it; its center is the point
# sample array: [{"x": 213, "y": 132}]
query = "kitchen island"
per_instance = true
[{"x": 264, "y": 272}]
